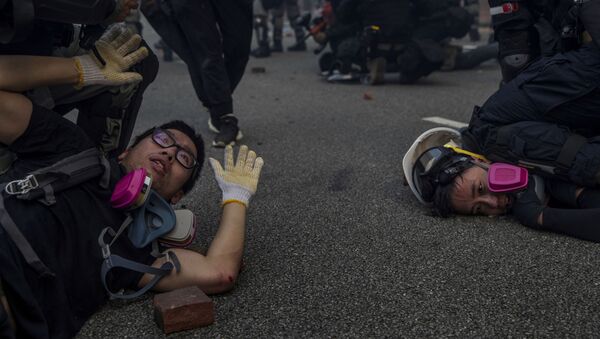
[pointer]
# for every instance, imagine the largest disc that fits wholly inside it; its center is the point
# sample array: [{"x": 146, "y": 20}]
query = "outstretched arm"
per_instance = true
[
  {"x": 119, "y": 48},
  {"x": 217, "y": 271},
  {"x": 21, "y": 73}
]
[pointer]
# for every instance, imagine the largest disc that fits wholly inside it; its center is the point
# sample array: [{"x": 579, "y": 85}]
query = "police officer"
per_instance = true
[
  {"x": 546, "y": 113},
  {"x": 261, "y": 27},
  {"x": 527, "y": 29},
  {"x": 378, "y": 35},
  {"x": 293, "y": 12}
]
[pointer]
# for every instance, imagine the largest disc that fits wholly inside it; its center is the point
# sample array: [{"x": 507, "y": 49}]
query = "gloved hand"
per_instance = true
[
  {"x": 120, "y": 49},
  {"x": 527, "y": 207},
  {"x": 320, "y": 38},
  {"x": 238, "y": 181}
]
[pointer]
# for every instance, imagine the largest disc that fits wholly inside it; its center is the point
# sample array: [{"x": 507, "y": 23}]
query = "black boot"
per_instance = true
[
  {"x": 277, "y": 46},
  {"x": 299, "y": 46},
  {"x": 262, "y": 51}
]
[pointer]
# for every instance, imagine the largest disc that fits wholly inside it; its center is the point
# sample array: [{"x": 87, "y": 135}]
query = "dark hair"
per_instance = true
[
  {"x": 191, "y": 133},
  {"x": 442, "y": 199}
]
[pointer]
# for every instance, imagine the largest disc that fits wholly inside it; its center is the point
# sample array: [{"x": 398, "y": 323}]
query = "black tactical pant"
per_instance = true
[
  {"x": 213, "y": 38},
  {"x": 534, "y": 117},
  {"x": 531, "y": 28}
]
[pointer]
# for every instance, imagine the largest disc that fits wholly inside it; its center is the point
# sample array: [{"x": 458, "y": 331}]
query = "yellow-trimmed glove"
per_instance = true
[
  {"x": 120, "y": 49},
  {"x": 238, "y": 181}
]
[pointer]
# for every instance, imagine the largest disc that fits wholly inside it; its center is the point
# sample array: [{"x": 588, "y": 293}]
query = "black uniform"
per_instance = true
[
  {"x": 548, "y": 115},
  {"x": 64, "y": 235},
  {"x": 527, "y": 29},
  {"x": 407, "y": 33},
  {"x": 213, "y": 38}
]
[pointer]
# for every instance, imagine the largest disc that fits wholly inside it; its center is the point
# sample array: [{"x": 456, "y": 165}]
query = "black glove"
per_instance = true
[
  {"x": 528, "y": 207},
  {"x": 563, "y": 191}
]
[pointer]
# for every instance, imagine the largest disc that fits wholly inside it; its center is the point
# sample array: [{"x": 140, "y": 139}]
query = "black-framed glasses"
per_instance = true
[{"x": 165, "y": 139}]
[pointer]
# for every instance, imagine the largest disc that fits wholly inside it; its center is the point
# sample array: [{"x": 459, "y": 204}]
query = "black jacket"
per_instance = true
[{"x": 551, "y": 106}]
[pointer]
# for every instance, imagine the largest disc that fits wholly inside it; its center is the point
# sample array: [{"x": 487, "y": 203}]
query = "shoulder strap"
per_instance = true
[
  {"x": 21, "y": 242},
  {"x": 44, "y": 183},
  {"x": 63, "y": 174}
]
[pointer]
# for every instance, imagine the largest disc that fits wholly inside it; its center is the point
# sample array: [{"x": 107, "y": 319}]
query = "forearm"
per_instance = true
[
  {"x": 228, "y": 245},
  {"x": 21, "y": 73},
  {"x": 579, "y": 223}
]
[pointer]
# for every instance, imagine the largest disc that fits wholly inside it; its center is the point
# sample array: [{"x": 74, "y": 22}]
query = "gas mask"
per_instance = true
[{"x": 152, "y": 217}]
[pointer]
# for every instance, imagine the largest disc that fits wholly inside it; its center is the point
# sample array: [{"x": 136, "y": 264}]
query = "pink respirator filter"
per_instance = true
[
  {"x": 507, "y": 178},
  {"x": 132, "y": 190}
]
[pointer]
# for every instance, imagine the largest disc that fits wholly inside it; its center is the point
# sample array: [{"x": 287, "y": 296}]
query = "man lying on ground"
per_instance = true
[
  {"x": 64, "y": 233},
  {"x": 546, "y": 120}
]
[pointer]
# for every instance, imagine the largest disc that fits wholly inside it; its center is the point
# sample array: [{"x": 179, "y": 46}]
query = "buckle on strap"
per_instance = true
[
  {"x": 506, "y": 8},
  {"x": 104, "y": 246},
  {"x": 22, "y": 186}
]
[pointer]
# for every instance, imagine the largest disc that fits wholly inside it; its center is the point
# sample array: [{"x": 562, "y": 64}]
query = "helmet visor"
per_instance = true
[
  {"x": 422, "y": 169},
  {"x": 437, "y": 165}
]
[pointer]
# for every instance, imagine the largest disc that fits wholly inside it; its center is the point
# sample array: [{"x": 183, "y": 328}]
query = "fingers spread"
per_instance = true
[
  {"x": 250, "y": 162},
  {"x": 241, "y": 159},
  {"x": 228, "y": 158},
  {"x": 130, "y": 45},
  {"x": 136, "y": 57},
  {"x": 113, "y": 32},
  {"x": 121, "y": 39},
  {"x": 258, "y": 165}
]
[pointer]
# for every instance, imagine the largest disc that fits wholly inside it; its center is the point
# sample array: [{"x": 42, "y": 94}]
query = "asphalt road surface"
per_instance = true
[{"x": 338, "y": 247}]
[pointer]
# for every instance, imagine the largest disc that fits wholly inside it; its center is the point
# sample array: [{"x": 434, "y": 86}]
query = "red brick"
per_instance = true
[{"x": 183, "y": 309}]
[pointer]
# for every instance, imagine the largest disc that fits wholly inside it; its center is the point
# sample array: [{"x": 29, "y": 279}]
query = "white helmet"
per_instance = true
[{"x": 434, "y": 137}]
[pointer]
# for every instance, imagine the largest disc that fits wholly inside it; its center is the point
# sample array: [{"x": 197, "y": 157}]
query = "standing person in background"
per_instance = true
[
  {"x": 261, "y": 27},
  {"x": 213, "y": 37},
  {"x": 293, "y": 12},
  {"x": 472, "y": 6},
  {"x": 526, "y": 30}
]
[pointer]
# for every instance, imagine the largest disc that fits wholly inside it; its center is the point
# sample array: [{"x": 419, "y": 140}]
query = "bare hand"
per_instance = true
[{"x": 124, "y": 8}]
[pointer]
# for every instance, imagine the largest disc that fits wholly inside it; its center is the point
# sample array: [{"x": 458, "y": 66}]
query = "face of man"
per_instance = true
[
  {"x": 168, "y": 175},
  {"x": 471, "y": 195}
]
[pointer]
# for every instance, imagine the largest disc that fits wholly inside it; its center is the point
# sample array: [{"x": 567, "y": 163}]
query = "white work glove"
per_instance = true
[
  {"x": 120, "y": 49},
  {"x": 238, "y": 181}
]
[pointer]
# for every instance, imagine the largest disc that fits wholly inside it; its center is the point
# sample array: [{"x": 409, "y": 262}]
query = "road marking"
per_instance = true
[{"x": 447, "y": 122}]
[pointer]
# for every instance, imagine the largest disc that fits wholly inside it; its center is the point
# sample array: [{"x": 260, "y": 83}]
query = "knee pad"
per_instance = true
[
  {"x": 589, "y": 14},
  {"x": 512, "y": 65},
  {"x": 513, "y": 42},
  {"x": 515, "y": 50}
]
